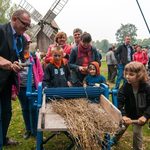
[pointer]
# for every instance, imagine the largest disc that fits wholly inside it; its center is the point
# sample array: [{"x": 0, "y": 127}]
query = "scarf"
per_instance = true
[
  {"x": 84, "y": 55},
  {"x": 58, "y": 64}
]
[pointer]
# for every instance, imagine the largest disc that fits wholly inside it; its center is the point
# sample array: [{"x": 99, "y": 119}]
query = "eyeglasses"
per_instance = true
[
  {"x": 27, "y": 25},
  {"x": 57, "y": 55}
]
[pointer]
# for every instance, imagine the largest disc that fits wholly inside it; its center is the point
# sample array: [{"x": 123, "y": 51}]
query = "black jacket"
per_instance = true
[
  {"x": 121, "y": 54},
  {"x": 7, "y": 52},
  {"x": 127, "y": 102},
  {"x": 56, "y": 77}
]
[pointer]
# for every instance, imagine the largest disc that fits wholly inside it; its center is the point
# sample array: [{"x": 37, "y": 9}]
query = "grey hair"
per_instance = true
[
  {"x": 20, "y": 12},
  {"x": 77, "y": 30}
]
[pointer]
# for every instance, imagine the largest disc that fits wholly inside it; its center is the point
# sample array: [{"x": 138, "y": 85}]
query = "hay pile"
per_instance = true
[{"x": 87, "y": 122}]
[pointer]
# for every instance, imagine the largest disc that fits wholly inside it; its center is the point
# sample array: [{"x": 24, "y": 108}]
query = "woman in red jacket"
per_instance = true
[
  {"x": 60, "y": 40},
  {"x": 140, "y": 55}
]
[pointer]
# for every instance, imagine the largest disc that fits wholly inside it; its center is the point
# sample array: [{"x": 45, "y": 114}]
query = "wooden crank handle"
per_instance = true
[{"x": 135, "y": 121}]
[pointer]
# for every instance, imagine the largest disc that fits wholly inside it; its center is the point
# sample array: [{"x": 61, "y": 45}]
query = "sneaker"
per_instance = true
[
  {"x": 10, "y": 142},
  {"x": 27, "y": 134}
]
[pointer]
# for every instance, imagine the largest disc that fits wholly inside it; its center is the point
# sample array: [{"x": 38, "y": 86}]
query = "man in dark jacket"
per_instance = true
[
  {"x": 123, "y": 55},
  {"x": 12, "y": 44}
]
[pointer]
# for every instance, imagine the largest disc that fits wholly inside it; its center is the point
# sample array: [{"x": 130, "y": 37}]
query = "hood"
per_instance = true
[{"x": 96, "y": 64}]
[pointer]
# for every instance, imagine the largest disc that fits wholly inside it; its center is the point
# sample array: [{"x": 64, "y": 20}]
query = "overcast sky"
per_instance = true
[{"x": 101, "y": 18}]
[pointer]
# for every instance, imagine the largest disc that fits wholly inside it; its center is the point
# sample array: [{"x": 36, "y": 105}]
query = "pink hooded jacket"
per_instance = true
[{"x": 37, "y": 71}]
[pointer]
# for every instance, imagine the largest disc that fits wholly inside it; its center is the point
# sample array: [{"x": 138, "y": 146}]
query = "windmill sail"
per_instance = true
[
  {"x": 54, "y": 10},
  {"x": 36, "y": 16},
  {"x": 44, "y": 23}
]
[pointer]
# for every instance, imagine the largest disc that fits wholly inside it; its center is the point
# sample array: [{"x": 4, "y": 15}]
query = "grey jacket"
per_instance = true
[{"x": 110, "y": 58}]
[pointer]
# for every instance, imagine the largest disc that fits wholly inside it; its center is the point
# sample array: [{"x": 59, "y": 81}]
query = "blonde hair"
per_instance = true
[
  {"x": 60, "y": 35},
  {"x": 57, "y": 48},
  {"x": 137, "y": 68}
]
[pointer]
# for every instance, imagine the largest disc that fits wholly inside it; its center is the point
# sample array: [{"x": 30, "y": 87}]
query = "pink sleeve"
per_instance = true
[
  {"x": 48, "y": 55},
  {"x": 40, "y": 69}
]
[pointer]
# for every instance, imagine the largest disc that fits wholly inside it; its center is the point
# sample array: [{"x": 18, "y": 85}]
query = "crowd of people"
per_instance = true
[{"x": 67, "y": 65}]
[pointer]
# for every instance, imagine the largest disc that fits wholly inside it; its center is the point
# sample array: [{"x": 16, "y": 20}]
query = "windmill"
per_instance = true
[{"x": 46, "y": 28}]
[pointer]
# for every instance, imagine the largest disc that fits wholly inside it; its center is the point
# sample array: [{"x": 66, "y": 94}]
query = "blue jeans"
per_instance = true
[
  {"x": 29, "y": 111},
  {"x": 120, "y": 77}
]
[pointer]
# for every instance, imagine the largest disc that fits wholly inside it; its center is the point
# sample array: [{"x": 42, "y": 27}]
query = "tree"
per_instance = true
[
  {"x": 4, "y": 13},
  {"x": 70, "y": 39},
  {"x": 98, "y": 44},
  {"x": 11, "y": 10},
  {"x": 104, "y": 45},
  {"x": 146, "y": 42},
  {"x": 6, "y": 10},
  {"x": 126, "y": 30}
]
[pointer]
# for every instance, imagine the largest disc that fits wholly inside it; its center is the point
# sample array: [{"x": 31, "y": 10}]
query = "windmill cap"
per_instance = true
[{"x": 28, "y": 38}]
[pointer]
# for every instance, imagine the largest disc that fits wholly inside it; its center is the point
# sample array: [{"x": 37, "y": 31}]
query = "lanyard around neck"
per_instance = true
[{"x": 18, "y": 50}]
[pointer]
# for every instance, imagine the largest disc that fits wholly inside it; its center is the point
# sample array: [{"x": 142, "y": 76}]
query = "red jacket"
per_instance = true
[
  {"x": 66, "y": 48},
  {"x": 141, "y": 57}
]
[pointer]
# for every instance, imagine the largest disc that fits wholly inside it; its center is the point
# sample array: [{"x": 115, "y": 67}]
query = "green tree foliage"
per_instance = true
[
  {"x": 126, "y": 30},
  {"x": 104, "y": 45},
  {"x": 146, "y": 42},
  {"x": 98, "y": 44},
  {"x": 4, "y": 7},
  {"x": 70, "y": 39},
  {"x": 11, "y": 10},
  {"x": 6, "y": 10}
]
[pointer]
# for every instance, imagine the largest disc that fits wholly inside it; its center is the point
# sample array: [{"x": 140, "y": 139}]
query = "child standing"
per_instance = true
[
  {"x": 93, "y": 78},
  {"x": 134, "y": 100},
  {"x": 57, "y": 72},
  {"x": 28, "y": 110}
]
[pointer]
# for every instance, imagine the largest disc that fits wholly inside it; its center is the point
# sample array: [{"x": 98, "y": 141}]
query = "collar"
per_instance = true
[
  {"x": 126, "y": 44},
  {"x": 13, "y": 30}
]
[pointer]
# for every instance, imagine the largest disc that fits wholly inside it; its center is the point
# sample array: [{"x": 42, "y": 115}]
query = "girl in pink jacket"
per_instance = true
[{"x": 28, "y": 109}]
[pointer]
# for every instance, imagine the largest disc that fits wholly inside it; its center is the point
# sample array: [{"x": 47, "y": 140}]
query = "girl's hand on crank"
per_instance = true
[
  {"x": 127, "y": 120},
  {"x": 142, "y": 120}
]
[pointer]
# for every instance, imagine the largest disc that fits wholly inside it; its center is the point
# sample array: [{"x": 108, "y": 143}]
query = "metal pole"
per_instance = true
[{"x": 143, "y": 16}]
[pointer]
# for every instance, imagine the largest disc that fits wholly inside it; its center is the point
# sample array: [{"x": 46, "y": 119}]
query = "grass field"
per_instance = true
[{"x": 16, "y": 131}]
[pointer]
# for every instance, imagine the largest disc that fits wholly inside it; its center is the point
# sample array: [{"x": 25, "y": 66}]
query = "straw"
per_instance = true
[{"x": 87, "y": 122}]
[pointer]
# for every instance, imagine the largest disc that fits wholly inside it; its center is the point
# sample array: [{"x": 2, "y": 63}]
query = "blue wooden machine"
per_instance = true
[{"x": 52, "y": 122}]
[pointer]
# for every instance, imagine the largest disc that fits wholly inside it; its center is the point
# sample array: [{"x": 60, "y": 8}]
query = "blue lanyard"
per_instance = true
[{"x": 15, "y": 46}]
